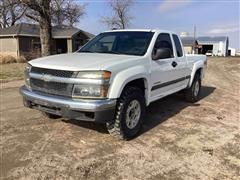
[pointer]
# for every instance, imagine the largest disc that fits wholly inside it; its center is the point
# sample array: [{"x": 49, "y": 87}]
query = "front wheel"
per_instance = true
[
  {"x": 129, "y": 114},
  {"x": 192, "y": 94}
]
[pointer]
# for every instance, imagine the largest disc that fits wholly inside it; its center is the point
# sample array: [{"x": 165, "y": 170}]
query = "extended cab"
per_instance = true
[{"x": 113, "y": 78}]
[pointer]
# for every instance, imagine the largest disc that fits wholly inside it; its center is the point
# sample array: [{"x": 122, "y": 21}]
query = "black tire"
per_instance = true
[
  {"x": 118, "y": 127},
  {"x": 50, "y": 116},
  {"x": 190, "y": 94}
]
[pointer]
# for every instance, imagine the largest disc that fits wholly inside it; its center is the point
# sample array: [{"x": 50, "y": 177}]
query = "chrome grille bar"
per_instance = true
[{"x": 50, "y": 78}]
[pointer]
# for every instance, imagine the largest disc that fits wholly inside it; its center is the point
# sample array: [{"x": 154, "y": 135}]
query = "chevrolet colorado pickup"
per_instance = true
[{"x": 113, "y": 78}]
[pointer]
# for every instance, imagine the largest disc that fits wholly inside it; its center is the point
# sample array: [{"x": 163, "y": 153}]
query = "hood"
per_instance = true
[{"x": 82, "y": 61}]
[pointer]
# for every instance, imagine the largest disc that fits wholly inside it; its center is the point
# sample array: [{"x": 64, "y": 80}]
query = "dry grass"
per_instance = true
[
  {"x": 9, "y": 72},
  {"x": 8, "y": 58}
]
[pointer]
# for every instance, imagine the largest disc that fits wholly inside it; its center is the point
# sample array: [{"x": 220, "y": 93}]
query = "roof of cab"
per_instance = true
[{"x": 141, "y": 30}]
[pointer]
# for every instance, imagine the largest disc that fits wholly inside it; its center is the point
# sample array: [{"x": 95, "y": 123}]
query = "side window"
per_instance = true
[
  {"x": 177, "y": 45},
  {"x": 163, "y": 42}
]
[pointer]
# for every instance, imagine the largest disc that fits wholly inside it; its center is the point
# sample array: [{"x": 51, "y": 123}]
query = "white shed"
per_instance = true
[
  {"x": 218, "y": 45},
  {"x": 231, "y": 51}
]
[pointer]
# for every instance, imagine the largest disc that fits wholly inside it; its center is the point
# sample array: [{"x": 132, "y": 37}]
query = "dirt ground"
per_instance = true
[{"x": 179, "y": 140}]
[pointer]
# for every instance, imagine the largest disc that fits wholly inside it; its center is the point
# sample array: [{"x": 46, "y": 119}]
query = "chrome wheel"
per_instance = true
[
  {"x": 196, "y": 89},
  {"x": 133, "y": 114}
]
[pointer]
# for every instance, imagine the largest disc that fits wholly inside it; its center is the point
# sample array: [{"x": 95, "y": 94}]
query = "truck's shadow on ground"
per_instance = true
[
  {"x": 168, "y": 107},
  {"x": 156, "y": 113}
]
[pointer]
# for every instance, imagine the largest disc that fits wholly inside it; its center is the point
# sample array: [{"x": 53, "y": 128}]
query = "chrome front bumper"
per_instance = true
[{"x": 100, "y": 110}]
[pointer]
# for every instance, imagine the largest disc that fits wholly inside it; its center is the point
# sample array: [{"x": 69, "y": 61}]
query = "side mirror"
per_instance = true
[{"x": 161, "y": 53}]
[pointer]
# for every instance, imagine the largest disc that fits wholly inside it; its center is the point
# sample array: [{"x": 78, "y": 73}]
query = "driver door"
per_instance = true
[{"x": 164, "y": 71}]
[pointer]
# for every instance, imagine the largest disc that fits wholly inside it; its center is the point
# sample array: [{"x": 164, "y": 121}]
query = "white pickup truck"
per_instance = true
[{"x": 113, "y": 78}]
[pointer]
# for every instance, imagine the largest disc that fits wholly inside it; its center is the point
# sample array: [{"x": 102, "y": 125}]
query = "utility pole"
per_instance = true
[{"x": 194, "y": 39}]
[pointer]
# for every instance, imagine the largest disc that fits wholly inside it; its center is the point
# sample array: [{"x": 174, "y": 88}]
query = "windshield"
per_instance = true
[{"x": 125, "y": 42}]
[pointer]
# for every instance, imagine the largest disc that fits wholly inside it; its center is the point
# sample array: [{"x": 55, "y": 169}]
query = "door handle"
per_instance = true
[{"x": 174, "y": 64}]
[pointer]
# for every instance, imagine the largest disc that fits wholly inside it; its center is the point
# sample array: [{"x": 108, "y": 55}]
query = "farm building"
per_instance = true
[
  {"x": 231, "y": 51},
  {"x": 24, "y": 40},
  {"x": 218, "y": 45}
]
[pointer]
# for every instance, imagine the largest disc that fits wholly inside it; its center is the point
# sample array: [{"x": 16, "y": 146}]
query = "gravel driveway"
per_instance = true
[{"x": 179, "y": 140}]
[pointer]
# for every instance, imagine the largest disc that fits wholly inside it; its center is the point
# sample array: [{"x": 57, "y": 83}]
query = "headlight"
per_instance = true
[
  {"x": 91, "y": 90},
  {"x": 26, "y": 74},
  {"x": 105, "y": 75}
]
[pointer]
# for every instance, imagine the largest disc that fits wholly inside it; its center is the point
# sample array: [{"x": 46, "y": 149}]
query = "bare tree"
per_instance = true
[
  {"x": 120, "y": 18},
  {"x": 66, "y": 12},
  {"x": 44, "y": 12},
  {"x": 58, "y": 17},
  {"x": 74, "y": 12},
  {"x": 40, "y": 11},
  {"x": 11, "y": 11}
]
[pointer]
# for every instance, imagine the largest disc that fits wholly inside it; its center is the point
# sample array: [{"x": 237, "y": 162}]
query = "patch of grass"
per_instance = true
[
  {"x": 9, "y": 72},
  {"x": 8, "y": 58}
]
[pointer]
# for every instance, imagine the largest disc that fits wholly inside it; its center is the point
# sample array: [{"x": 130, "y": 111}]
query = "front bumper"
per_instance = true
[{"x": 79, "y": 109}]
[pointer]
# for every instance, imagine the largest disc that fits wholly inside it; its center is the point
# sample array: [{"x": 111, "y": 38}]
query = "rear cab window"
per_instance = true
[{"x": 177, "y": 45}]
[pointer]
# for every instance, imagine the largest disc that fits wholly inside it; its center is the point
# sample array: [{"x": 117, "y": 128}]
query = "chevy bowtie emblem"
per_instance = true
[{"x": 46, "y": 77}]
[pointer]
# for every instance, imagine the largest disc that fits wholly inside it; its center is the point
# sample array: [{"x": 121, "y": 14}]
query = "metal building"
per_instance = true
[
  {"x": 231, "y": 51},
  {"x": 216, "y": 46}
]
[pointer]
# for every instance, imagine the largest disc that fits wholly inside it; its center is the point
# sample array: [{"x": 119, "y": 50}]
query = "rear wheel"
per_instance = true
[
  {"x": 192, "y": 94},
  {"x": 129, "y": 115}
]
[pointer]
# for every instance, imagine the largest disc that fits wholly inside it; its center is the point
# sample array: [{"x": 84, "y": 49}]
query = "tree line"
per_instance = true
[{"x": 48, "y": 13}]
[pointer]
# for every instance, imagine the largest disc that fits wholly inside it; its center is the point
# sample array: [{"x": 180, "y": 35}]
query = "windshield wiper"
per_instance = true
[
  {"x": 87, "y": 51},
  {"x": 108, "y": 52}
]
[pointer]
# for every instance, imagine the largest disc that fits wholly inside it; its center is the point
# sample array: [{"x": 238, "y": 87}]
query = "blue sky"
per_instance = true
[{"x": 211, "y": 17}]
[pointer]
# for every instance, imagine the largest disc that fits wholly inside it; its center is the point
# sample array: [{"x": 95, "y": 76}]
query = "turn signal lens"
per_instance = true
[
  {"x": 106, "y": 75},
  {"x": 26, "y": 75}
]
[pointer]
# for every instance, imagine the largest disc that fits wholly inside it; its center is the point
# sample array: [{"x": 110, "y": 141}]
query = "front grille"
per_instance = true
[
  {"x": 54, "y": 88},
  {"x": 53, "y": 72}
]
